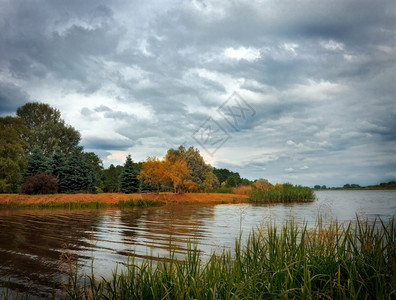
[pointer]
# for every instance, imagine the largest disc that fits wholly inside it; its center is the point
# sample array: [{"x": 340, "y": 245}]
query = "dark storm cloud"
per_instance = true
[
  {"x": 11, "y": 97},
  {"x": 107, "y": 144}
]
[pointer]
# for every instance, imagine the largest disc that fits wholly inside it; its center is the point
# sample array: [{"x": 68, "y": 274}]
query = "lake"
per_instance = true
[{"x": 38, "y": 247}]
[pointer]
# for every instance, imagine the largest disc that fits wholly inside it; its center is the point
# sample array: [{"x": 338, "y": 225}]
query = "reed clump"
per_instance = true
[
  {"x": 281, "y": 193},
  {"x": 350, "y": 261}
]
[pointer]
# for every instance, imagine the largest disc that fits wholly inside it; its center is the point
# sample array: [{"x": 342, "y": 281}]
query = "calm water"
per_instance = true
[{"x": 38, "y": 246}]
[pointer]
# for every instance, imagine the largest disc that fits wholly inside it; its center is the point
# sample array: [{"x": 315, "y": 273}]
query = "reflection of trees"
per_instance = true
[
  {"x": 165, "y": 227},
  {"x": 32, "y": 242},
  {"x": 40, "y": 246}
]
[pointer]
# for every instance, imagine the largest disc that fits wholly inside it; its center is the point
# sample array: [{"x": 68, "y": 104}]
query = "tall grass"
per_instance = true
[
  {"x": 352, "y": 261},
  {"x": 282, "y": 193},
  {"x": 82, "y": 204}
]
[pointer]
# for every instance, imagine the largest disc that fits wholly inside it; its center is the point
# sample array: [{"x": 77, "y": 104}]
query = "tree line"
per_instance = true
[{"x": 39, "y": 153}]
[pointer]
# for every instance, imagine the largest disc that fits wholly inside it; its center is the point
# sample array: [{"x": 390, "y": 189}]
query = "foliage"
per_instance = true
[
  {"x": 211, "y": 182},
  {"x": 111, "y": 179},
  {"x": 152, "y": 172},
  {"x": 194, "y": 161},
  {"x": 129, "y": 177},
  {"x": 36, "y": 163},
  {"x": 177, "y": 172},
  {"x": 355, "y": 261},
  {"x": 230, "y": 179},
  {"x": 47, "y": 130},
  {"x": 13, "y": 152},
  {"x": 40, "y": 183},
  {"x": 282, "y": 193},
  {"x": 96, "y": 167},
  {"x": 78, "y": 174}
]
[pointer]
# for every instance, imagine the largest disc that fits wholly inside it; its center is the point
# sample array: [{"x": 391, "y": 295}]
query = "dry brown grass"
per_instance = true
[{"x": 113, "y": 198}]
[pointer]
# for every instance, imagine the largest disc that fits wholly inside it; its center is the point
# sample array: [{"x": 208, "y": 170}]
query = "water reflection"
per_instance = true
[{"x": 39, "y": 246}]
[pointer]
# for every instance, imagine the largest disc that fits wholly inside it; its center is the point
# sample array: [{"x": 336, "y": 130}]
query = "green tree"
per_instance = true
[
  {"x": 222, "y": 174},
  {"x": 47, "y": 130},
  {"x": 36, "y": 163},
  {"x": 96, "y": 168},
  {"x": 232, "y": 181},
  {"x": 111, "y": 182},
  {"x": 56, "y": 166},
  {"x": 13, "y": 152},
  {"x": 129, "y": 177},
  {"x": 78, "y": 174}
]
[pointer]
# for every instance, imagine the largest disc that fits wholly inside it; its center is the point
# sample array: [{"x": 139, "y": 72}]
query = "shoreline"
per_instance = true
[{"x": 116, "y": 199}]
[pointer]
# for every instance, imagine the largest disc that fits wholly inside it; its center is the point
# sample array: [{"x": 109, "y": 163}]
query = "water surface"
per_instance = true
[{"x": 40, "y": 246}]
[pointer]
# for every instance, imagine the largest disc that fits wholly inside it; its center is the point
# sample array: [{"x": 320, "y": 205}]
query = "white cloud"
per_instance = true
[{"x": 249, "y": 54}]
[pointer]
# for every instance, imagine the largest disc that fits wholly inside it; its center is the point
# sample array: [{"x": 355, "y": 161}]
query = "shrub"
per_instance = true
[{"x": 40, "y": 183}]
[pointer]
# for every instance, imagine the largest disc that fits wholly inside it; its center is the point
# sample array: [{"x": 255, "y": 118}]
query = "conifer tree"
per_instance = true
[
  {"x": 56, "y": 167},
  {"x": 129, "y": 177},
  {"x": 76, "y": 173},
  {"x": 36, "y": 163}
]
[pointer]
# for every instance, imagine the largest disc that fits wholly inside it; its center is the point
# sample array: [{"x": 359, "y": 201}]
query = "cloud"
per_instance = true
[
  {"x": 142, "y": 77},
  {"x": 11, "y": 97}
]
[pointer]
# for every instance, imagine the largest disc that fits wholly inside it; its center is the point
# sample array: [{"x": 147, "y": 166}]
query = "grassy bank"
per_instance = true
[
  {"x": 352, "y": 261},
  {"x": 113, "y": 200},
  {"x": 284, "y": 193}
]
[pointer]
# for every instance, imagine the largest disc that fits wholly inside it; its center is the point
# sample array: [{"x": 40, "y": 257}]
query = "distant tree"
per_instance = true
[
  {"x": 40, "y": 183},
  {"x": 95, "y": 166},
  {"x": 347, "y": 186},
  {"x": 36, "y": 163},
  {"x": 262, "y": 184},
  {"x": 233, "y": 180},
  {"x": 129, "y": 177},
  {"x": 221, "y": 174},
  {"x": 323, "y": 187},
  {"x": 13, "y": 152},
  {"x": 112, "y": 179},
  {"x": 317, "y": 187},
  {"x": 47, "y": 130},
  {"x": 211, "y": 182},
  {"x": 224, "y": 174}
]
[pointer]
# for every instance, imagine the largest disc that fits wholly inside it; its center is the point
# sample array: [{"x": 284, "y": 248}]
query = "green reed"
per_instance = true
[
  {"x": 337, "y": 261},
  {"x": 282, "y": 193}
]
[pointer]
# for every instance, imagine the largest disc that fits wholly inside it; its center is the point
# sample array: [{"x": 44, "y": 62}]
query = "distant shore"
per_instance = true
[{"x": 115, "y": 199}]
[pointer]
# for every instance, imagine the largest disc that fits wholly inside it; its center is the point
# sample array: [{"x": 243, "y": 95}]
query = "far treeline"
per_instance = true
[
  {"x": 40, "y": 154},
  {"x": 391, "y": 185}
]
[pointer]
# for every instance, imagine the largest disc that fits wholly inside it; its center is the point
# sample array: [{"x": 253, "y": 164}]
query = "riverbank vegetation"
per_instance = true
[
  {"x": 121, "y": 200},
  {"x": 284, "y": 193},
  {"x": 336, "y": 261},
  {"x": 40, "y": 154}
]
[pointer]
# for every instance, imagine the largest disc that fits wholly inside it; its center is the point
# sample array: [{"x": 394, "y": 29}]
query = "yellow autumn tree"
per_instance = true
[
  {"x": 153, "y": 172},
  {"x": 177, "y": 172}
]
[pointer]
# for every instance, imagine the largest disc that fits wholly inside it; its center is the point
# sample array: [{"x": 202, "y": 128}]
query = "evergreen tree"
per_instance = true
[
  {"x": 112, "y": 179},
  {"x": 76, "y": 173},
  {"x": 129, "y": 177},
  {"x": 36, "y": 163},
  {"x": 56, "y": 167}
]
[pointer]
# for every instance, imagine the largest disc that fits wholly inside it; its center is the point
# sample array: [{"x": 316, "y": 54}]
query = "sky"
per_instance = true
[{"x": 292, "y": 91}]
